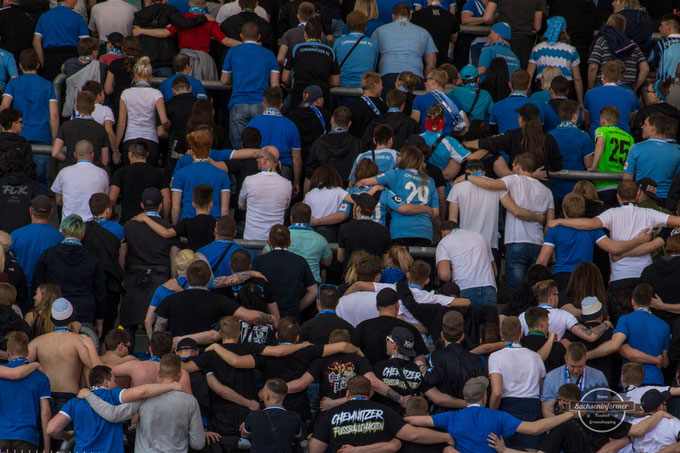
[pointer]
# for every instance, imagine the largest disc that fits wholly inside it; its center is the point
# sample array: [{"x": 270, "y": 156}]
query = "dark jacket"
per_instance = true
[
  {"x": 179, "y": 110},
  {"x": 11, "y": 142},
  {"x": 16, "y": 192},
  {"x": 17, "y": 278},
  {"x": 402, "y": 125},
  {"x": 159, "y": 15},
  {"x": 10, "y": 321},
  {"x": 105, "y": 246},
  {"x": 232, "y": 28},
  {"x": 309, "y": 126},
  {"x": 79, "y": 274},
  {"x": 639, "y": 26},
  {"x": 663, "y": 275},
  {"x": 339, "y": 150}
]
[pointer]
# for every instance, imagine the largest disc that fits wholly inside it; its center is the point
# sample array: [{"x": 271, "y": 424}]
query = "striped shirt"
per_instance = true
[
  {"x": 665, "y": 56},
  {"x": 601, "y": 54},
  {"x": 559, "y": 54}
]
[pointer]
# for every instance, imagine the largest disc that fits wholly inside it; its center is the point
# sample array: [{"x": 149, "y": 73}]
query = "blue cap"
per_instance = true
[
  {"x": 469, "y": 72},
  {"x": 503, "y": 29}
]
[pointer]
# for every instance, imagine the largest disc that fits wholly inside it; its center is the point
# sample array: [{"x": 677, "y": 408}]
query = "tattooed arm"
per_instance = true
[
  {"x": 591, "y": 334},
  {"x": 254, "y": 316},
  {"x": 161, "y": 324},
  {"x": 236, "y": 279}
]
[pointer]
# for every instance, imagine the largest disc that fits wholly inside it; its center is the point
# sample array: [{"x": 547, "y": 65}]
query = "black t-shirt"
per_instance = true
[
  {"x": 199, "y": 230},
  {"x": 309, "y": 126},
  {"x": 402, "y": 376},
  {"x": 370, "y": 336},
  {"x": 610, "y": 365},
  {"x": 440, "y": 24},
  {"x": 576, "y": 436},
  {"x": 436, "y": 174},
  {"x": 16, "y": 192},
  {"x": 290, "y": 368},
  {"x": 362, "y": 114},
  {"x": 536, "y": 342},
  {"x": 132, "y": 180},
  {"x": 366, "y": 235},
  {"x": 232, "y": 28},
  {"x": 289, "y": 276},
  {"x": 357, "y": 422},
  {"x": 16, "y": 29},
  {"x": 313, "y": 63},
  {"x": 194, "y": 310},
  {"x": 147, "y": 249},
  {"x": 200, "y": 389},
  {"x": 72, "y": 131},
  {"x": 178, "y": 110},
  {"x": 451, "y": 367},
  {"x": 122, "y": 81},
  {"x": 333, "y": 372},
  {"x": 318, "y": 329},
  {"x": 288, "y": 427}
]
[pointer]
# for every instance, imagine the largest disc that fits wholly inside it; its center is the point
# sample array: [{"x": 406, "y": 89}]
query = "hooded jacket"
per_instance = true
[
  {"x": 79, "y": 274},
  {"x": 337, "y": 149},
  {"x": 10, "y": 142},
  {"x": 663, "y": 275},
  {"x": 105, "y": 246}
]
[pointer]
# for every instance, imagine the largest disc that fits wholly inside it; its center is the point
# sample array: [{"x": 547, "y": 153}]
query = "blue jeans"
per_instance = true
[
  {"x": 337, "y": 26},
  {"x": 42, "y": 168},
  {"x": 519, "y": 257},
  {"x": 239, "y": 115},
  {"x": 482, "y": 295},
  {"x": 162, "y": 72}
]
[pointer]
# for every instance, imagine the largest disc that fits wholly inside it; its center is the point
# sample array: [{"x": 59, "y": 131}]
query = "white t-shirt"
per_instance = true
[
  {"x": 521, "y": 368},
  {"x": 233, "y": 8},
  {"x": 77, "y": 183},
  {"x": 470, "y": 256},
  {"x": 141, "y": 112},
  {"x": 530, "y": 194},
  {"x": 267, "y": 195},
  {"x": 103, "y": 113},
  {"x": 420, "y": 295},
  {"x": 559, "y": 321},
  {"x": 624, "y": 223},
  {"x": 325, "y": 201},
  {"x": 357, "y": 307},
  {"x": 478, "y": 209},
  {"x": 663, "y": 435},
  {"x": 112, "y": 16}
]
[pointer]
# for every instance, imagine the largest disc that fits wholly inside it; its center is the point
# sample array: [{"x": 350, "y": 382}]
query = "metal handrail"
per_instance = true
[{"x": 416, "y": 252}]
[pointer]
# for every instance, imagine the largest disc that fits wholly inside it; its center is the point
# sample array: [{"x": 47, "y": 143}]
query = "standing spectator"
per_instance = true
[
  {"x": 318, "y": 329},
  {"x": 17, "y": 189},
  {"x": 356, "y": 53},
  {"x": 404, "y": 46},
  {"x": 119, "y": 73},
  {"x": 182, "y": 67},
  {"x": 34, "y": 97},
  {"x": 311, "y": 118},
  {"x": 178, "y": 109},
  {"x": 613, "y": 45},
  {"x": 403, "y": 126},
  {"x": 8, "y": 68},
  {"x": 359, "y": 306},
  {"x": 661, "y": 276},
  {"x": 102, "y": 113},
  {"x": 523, "y": 18},
  {"x": 475, "y": 102},
  {"x": 383, "y": 155},
  {"x": 456, "y": 120},
  {"x": 16, "y": 27},
  {"x": 326, "y": 196},
  {"x": 369, "y": 106},
  {"x": 498, "y": 48},
  {"x": 77, "y": 271},
  {"x": 251, "y": 69},
  {"x": 229, "y": 9},
  {"x": 218, "y": 252},
  {"x": 56, "y": 37},
  {"x": 11, "y": 122},
  {"x": 363, "y": 233},
  {"x": 639, "y": 25},
  {"x": 504, "y": 114},
  {"x": 113, "y": 47},
  {"x": 295, "y": 35},
  {"x": 665, "y": 55},
  {"x": 654, "y": 96},
  {"x": 538, "y": 321},
  {"x": 441, "y": 24},
  {"x": 111, "y": 17},
  {"x": 233, "y": 26}
]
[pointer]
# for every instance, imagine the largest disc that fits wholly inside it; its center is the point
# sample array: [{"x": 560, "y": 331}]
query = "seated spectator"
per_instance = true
[{"x": 356, "y": 52}]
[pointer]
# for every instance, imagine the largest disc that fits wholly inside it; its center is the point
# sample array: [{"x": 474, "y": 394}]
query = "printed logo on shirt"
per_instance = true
[
  {"x": 392, "y": 377},
  {"x": 339, "y": 373},
  {"x": 397, "y": 199},
  {"x": 343, "y": 207},
  {"x": 363, "y": 421}
]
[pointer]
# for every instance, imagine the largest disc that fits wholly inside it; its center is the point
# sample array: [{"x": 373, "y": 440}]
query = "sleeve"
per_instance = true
[
  {"x": 549, "y": 392},
  {"x": 308, "y": 278},
  {"x": 45, "y": 388},
  {"x": 196, "y": 433},
  {"x": 494, "y": 364},
  {"x": 226, "y": 306},
  {"x": 111, "y": 413},
  {"x": 68, "y": 409},
  {"x": 498, "y": 143},
  {"x": 442, "y": 253},
  {"x": 622, "y": 326},
  {"x": 226, "y": 66},
  {"x": 57, "y": 184},
  {"x": 9, "y": 89},
  {"x": 83, "y": 31},
  {"x": 163, "y": 309},
  {"x": 178, "y": 182},
  {"x": 273, "y": 64},
  {"x": 322, "y": 431},
  {"x": 598, "y": 234},
  {"x": 629, "y": 166},
  {"x": 12, "y": 67},
  {"x": 658, "y": 218},
  {"x": 509, "y": 424},
  {"x": 485, "y": 57},
  {"x": 444, "y": 419},
  {"x": 206, "y": 361},
  {"x": 550, "y": 237},
  {"x": 533, "y": 58},
  {"x": 606, "y": 218},
  {"x": 295, "y": 136},
  {"x": 570, "y": 320},
  {"x": 390, "y": 200},
  {"x": 39, "y": 27},
  {"x": 327, "y": 252},
  {"x": 226, "y": 183},
  {"x": 596, "y": 53},
  {"x": 387, "y": 179},
  {"x": 178, "y": 20},
  {"x": 60, "y": 133},
  {"x": 53, "y": 96}
]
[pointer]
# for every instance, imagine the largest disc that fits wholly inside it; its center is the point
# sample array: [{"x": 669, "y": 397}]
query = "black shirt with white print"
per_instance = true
[
  {"x": 401, "y": 375},
  {"x": 333, "y": 372}
]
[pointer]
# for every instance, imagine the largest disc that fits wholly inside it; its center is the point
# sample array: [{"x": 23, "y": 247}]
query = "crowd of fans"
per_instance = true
[{"x": 508, "y": 330}]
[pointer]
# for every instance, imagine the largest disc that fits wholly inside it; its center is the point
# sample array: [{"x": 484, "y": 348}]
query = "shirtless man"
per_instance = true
[{"x": 117, "y": 351}]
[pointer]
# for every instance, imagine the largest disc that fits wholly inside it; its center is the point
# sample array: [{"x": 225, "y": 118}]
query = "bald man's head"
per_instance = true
[{"x": 268, "y": 157}]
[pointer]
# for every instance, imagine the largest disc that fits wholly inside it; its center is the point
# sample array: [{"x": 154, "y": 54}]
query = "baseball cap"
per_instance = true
[
  {"x": 648, "y": 186},
  {"x": 452, "y": 324},
  {"x": 386, "y": 297},
  {"x": 365, "y": 201},
  {"x": 415, "y": 140},
  {"x": 404, "y": 340},
  {"x": 469, "y": 72},
  {"x": 151, "y": 197},
  {"x": 310, "y": 95},
  {"x": 187, "y": 343},
  {"x": 591, "y": 308},
  {"x": 652, "y": 399},
  {"x": 62, "y": 312},
  {"x": 475, "y": 389},
  {"x": 528, "y": 110},
  {"x": 41, "y": 204},
  {"x": 116, "y": 39},
  {"x": 503, "y": 29}
]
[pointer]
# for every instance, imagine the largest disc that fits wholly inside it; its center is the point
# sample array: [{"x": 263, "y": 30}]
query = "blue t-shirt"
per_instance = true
[
  {"x": 388, "y": 200},
  {"x": 93, "y": 433},
  {"x": 667, "y": 54},
  {"x": 592, "y": 378},
  {"x": 575, "y": 145},
  {"x": 364, "y": 58},
  {"x": 20, "y": 405},
  {"x": 218, "y": 155},
  {"x": 196, "y": 87},
  {"x": 402, "y": 46},
  {"x": 61, "y": 27},
  {"x": 504, "y": 114},
  {"x": 385, "y": 159},
  {"x": 572, "y": 247},
  {"x": 371, "y": 26},
  {"x": 465, "y": 96},
  {"x": 250, "y": 66},
  {"x": 162, "y": 292},
  {"x": 409, "y": 187},
  {"x": 279, "y": 132},
  {"x": 472, "y": 425},
  {"x": 540, "y": 97},
  {"x": 654, "y": 158},
  {"x": 476, "y": 7},
  {"x": 31, "y": 95},
  {"x": 499, "y": 49},
  {"x": 196, "y": 174},
  {"x": 448, "y": 148},
  {"x": 113, "y": 227},
  {"x": 214, "y": 251},
  {"x": 8, "y": 68},
  {"x": 392, "y": 275},
  {"x": 621, "y": 97},
  {"x": 649, "y": 334},
  {"x": 181, "y": 5},
  {"x": 29, "y": 242},
  {"x": 425, "y": 101}
]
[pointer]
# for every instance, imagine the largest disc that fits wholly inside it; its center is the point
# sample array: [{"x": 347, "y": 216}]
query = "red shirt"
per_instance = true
[{"x": 197, "y": 38}]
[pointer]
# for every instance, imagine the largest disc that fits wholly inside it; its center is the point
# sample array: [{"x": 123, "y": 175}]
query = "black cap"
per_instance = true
[
  {"x": 116, "y": 39},
  {"x": 648, "y": 186},
  {"x": 187, "y": 343},
  {"x": 41, "y": 204},
  {"x": 415, "y": 140},
  {"x": 404, "y": 340},
  {"x": 528, "y": 110},
  {"x": 652, "y": 399},
  {"x": 386, "y": 297},
  {"x": 365, "y": 201},
  {"x": 151, "y": 197}
]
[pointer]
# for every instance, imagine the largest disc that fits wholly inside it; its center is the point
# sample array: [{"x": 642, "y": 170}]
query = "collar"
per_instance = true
[
  {"x": 71, "y": 241},
  {"x": 301, "y": 226},
  {"x": 153, "y": 214},
  {"x": 97, "y": 387},
  {"x": 280, "y": 248},
  {"x": 393, "y": 110},
  {"x": 62, "y": 329},
  {"x": 325, "y": 312},
  {"x": 546, "y": 306},
  {"x": 143, "y": 84},
  {"x": 115, "y": 51},
  {"x": 581, "y": 379},
  {"x": 275, "y": 406},
  {"x": 302, "y": 24},
  {"x": 566, "y": 124},
  {"x": 359, "y": 398},
  {"x": 402, "y": 19},
  {"x": 413, "y": 285},
  {"x": 84, "y": 160},
  {"x": 400, "y": 356},
  {"x": 99, "y": 219},
  {"x": 628, "y": 203},
  {"x": 674, "y": 35},
  {"x": 518, "y": 94},
  {"x": 337, "y": 130},
  {"x": 154, "y": 358},
  {"x": 474, "y": 405},
  {"x": 82, "y": 117},
  {"x": 536, "y": 332},
  {"x": 269, "y": 170},
  {"x": 19, "y": 360},
  {"x": 198, "y": 287},
  {"x": 200, "y": 160},
  {"x": 249, "y": 42},
  {"x": 643, "y": 310},
  {"x": 610, "y": 84},
  {"x": 272, "y": 111},
  {"x": 513, "y": 345}
]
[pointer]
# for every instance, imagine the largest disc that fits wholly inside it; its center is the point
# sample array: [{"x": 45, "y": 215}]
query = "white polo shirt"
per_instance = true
[
  {"x": 531, "y": 194},
  {"x": 76, "y": 184},
  {"x": 521, "y": 368},
  {"x": 357, "y": 307},
  {"x": 663, "y": 435},
  {"x": 267, "y": 195},
  {"x": 477, "y": 209},
  {"x": 470, "y": 256},
  {"x": 559, "y": 321},
  {"x": 325, "y": 201}
]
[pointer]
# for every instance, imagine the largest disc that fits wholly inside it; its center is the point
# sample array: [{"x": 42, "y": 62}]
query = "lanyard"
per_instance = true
[
  {"x": 71, "y": 241},
  {"x": 325, "y": 312},
  {"x": 62, "y": 329},
  {"x": 580, "y": 380},
  {"x": 337, "y": 130},
  {"x": 320, "y": 116},
  {"x": 272, "y": 111},
  {"x": 513, "y": 345},
  {"x": 370, "y": 103},
  {"x": 358, "y": 398},
  {"x": 301, "y": 226},
  {"x": 115, "y": 51},
  {"x": 198, "y": 9},
  {"x": 153, "y": 214},
  {"x": 153, "y": 358},
  {"x": 269, "y": 170}
]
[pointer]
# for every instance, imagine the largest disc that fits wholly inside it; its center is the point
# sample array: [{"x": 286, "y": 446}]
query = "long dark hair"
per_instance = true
[
  {"x": 533, "y": 139},
  {"x": 496, "y": 82},
  {"x": 131, "y": 48}
]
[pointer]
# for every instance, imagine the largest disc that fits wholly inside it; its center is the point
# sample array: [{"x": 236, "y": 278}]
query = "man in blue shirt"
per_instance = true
[
  {"x": 504, "y": 113},
  {"x": 646, "y": 333},
  {"x": 23, "y": 402},
  {"x": 218, "y": 253},
  {"x": 356, "y": 53},
  {"x": 29, "y": 242},
  {"x": 474, "y": 100},
  {"x": 182, "y": 67},
  {"x": 666, "y": 53},
  {"x": 252, "y": 69},
  {"x": 56, "y": 37},
  {"x": 403, "y": 46},
  {"x": 471, "y": 426},
  {"x": 456, "y": 120},
  {"x": 654, "y": 158},
  {"x": 281, "y": 133},
  {"x": 498, "y": 48},
  {"x": 34, "y": 97}
]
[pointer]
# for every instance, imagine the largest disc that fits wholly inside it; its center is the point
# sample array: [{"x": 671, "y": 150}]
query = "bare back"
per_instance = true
[
  {"x": 59, "y": 354},
  {"x": 111, "y": 359}
]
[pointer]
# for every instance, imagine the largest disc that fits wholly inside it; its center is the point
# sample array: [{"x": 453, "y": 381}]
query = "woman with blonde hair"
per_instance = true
[
  {"x": 369, "y": 8},
  {"x": 407, "y": 82},
  {"x": 137, "y": 113},
  {"x": 39, "y": 317},
  {"x": 547, "y": 76},
  {"x": 396, "y": 262}
]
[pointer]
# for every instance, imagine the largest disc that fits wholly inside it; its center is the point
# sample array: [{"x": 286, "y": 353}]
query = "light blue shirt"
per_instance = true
[
  {"x": 499, "y": 49},
  {"x": 8, "y": 68},
  {"x": 466, "y": 94},
  {"x": 388, "y": 201},
  {"x": 402, "y": 46},
  {"x": 654, "y": 158},
  {"x": 363, "y": 58},
  {"x": 590, "y": 379}
]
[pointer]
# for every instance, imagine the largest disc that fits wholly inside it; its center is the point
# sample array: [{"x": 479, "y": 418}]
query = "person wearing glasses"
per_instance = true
[
  {"x": 118, "y": 350},
  {"x": 12, "y": 122}
]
